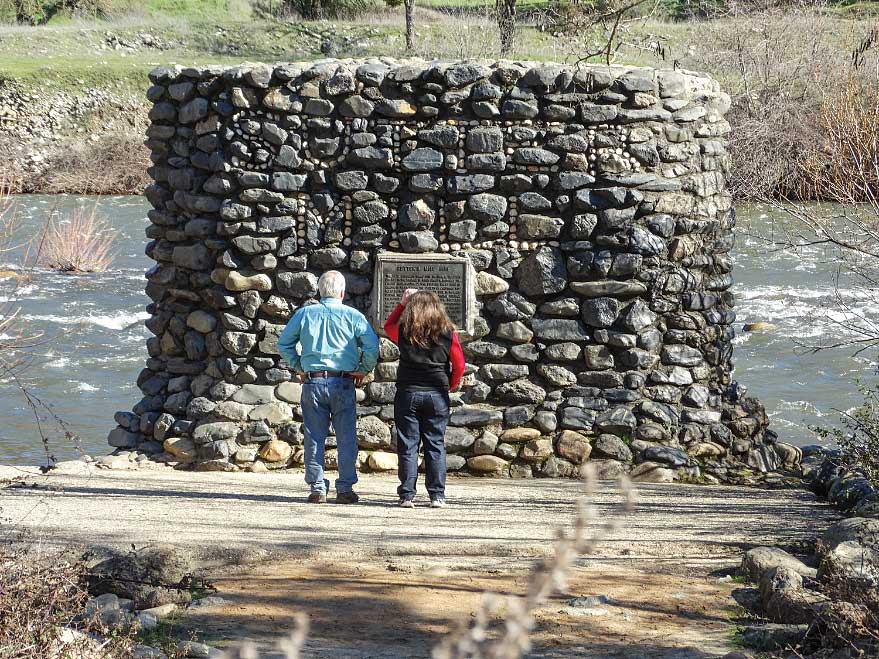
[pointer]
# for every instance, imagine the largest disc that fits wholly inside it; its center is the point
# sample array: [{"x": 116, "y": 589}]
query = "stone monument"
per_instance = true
[{"x": 574, "y": 218}]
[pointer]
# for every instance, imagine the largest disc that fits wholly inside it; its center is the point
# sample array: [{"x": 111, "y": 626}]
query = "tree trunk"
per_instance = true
[
  {"x": 506, "y": 21},
  {"x": 410, "y": 27}
]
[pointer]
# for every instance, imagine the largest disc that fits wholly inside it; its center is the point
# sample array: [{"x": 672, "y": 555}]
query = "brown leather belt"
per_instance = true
[{"x": 326, "y": 374}]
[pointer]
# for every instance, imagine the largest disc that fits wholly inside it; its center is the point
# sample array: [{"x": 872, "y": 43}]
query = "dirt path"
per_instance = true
[{"x": 379, "y": 581}]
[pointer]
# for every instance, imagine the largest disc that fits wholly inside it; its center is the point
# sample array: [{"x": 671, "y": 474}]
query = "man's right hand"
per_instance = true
[
  {"x": 300, "y": 377},
  {"x": 407, "y": 294}
]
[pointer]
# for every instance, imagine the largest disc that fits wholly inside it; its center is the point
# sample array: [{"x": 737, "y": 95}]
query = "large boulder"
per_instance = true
[
  {"x": 151, "y": 576},
  {"x": 756, "y": 562},
  {"x": 863, "y": 531}
]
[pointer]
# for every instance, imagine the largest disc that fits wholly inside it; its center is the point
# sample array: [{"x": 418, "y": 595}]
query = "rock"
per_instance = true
[
  {"x": 756, "y": 562},
  {"x": 474, "y": 417},
  {"x": 488, "y": 464},
  {"x": 73, "y": 468},
  {"x": 149, "y": 576},
  {"x": 486, "y": 444},
  {"x": 206, "y": 433},
  {"x": 850, "y": 560},
  {"x": 488, "y": 284},
  {"x": 516, "y": 435},
  {"x": 297, "y": 284},
  {"x": 235, "y": 281},
  {"x": 608, "y": 288},
  {"x": 652, "y": 472},
  {"x": 759, "y": 327},
  {"x": 290, "y": 392},
  {"x": 520, "y": 391},
  {"x": 555, "y": 467},
  {"x": 122, "y": 438},
  {"x": 515, "y": 331},
  {"x": 637, "y": 317},
  {"x": 617, "y": 421},
  {"x": 863, "y": 531},
  {"x": 681, "y": 355},
  {"x": 669, "y": 455},
  {"x": 181, "y": 448},
  {"x": 612, "y": 447},
  {"x": 201, "y": 321},
  {"x": 559, "y": 329},
  {"x": 487, "y": 208},
  {"x": 458, "y": 439},
  {"x": 536, "y": 450},
  {"x": 160, "y": 612},
  {"x": 600, "y": 311},
  {"x": 418, "y": 242},
  {"x": 557, "y": 375},
  {"x": 542, "y": 273},
  {"x": 254, "y": 394},
  {"x": 196, "y": 650},
  {"x": 485, "y": 140},
  {"x": 765, "y": 638},
  {"x": 790, "y": 455},
  {"x": 455, "y": 462},
  {"x": 383, "y": 461},
  {"x": 573, "y": 446},
  {"x": 785, "y": 600},
  {"x": 606, "y": 470},
  {"x": 422, "y": 160},
  {"x": 373, "y": 433}
]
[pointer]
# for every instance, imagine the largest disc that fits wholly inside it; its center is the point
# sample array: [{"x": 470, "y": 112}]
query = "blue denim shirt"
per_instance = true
[{"x": 332, "y": 336}]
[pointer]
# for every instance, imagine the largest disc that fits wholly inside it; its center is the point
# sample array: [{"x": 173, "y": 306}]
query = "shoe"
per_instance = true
[
  {"x": 347, "y": 497},
  {"x": 406, "y": 503},
  {"x": 437, "y": 502},
  {"x": 317, "y": 497}
]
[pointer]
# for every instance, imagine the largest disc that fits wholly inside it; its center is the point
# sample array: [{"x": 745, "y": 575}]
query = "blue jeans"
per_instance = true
[
  {"x": 325, "y": 400},
  {"x": 421, "y": 418}
]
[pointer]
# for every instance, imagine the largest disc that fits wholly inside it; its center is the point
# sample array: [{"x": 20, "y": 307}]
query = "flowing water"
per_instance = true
[{"x": 93, "y": 340}]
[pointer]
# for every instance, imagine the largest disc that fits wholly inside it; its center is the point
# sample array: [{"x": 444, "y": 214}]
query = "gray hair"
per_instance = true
[{"x": 331, "y": 284}]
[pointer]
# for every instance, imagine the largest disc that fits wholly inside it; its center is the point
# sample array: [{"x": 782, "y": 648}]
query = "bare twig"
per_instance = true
[{"x": 477, "y": 639}]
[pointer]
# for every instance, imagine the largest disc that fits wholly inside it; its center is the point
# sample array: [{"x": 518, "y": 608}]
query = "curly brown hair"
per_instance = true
[{"x": 425, "y": 319}]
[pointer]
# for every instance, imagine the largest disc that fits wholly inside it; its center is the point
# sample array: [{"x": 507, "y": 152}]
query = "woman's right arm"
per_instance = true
[
  {"x": 392, "y": 324},
  {"x": 456, "y": 357}
]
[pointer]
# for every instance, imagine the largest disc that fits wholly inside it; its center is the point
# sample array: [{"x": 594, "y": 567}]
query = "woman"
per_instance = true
[{"x": 431, "y": 365}]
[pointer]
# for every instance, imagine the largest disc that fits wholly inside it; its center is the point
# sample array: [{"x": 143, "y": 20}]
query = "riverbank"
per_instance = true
[{"x": 268, "y": 553}]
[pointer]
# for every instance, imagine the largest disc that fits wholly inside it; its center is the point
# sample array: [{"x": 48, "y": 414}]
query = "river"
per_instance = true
[{"x": 93, "y": 340}]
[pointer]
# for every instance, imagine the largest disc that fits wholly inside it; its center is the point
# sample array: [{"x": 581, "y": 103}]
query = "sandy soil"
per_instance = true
[{"x": 379, "y": 581}]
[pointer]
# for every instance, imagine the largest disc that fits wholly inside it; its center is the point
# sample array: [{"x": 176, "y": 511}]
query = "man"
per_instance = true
[{"x": 338, "y": 349}]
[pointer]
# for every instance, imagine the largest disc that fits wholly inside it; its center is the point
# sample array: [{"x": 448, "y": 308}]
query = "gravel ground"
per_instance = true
[
  {"x": 400, "y": 579},
  {"x": 486, "y": 521}
]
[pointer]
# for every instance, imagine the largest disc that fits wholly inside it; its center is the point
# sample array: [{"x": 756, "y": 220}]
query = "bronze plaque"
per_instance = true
[{"x": 450, "y": 277}]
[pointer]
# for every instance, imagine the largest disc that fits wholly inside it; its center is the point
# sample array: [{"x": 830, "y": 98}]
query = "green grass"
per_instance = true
[
  {"x": 72, "y": 55},
  {"x": 226, "y": 10}
]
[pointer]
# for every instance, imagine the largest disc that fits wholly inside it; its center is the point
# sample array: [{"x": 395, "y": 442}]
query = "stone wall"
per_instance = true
[{"x": 590, "y": 200}]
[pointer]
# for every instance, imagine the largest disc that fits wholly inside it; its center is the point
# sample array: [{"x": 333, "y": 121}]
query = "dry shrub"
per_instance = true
[
  {"x": 40, "y": 598},
  {"x": 844, "y": 166},
  {"x": 114, "y": 163},
  {"x": 82, "y": 243},
  {"x": 777, "y": 69},
  {"x": 848, "y": 625}
]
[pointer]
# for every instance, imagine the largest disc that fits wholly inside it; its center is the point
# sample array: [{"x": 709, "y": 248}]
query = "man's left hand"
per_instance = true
[{"x": 358, "y": 378}]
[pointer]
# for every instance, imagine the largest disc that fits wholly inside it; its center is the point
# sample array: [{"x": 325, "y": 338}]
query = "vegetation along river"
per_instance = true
[{"x": 93, "y": 339}]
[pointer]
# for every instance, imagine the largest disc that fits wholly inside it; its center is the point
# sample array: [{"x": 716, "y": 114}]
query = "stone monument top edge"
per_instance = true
[{"x": 327, "y": 66}]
